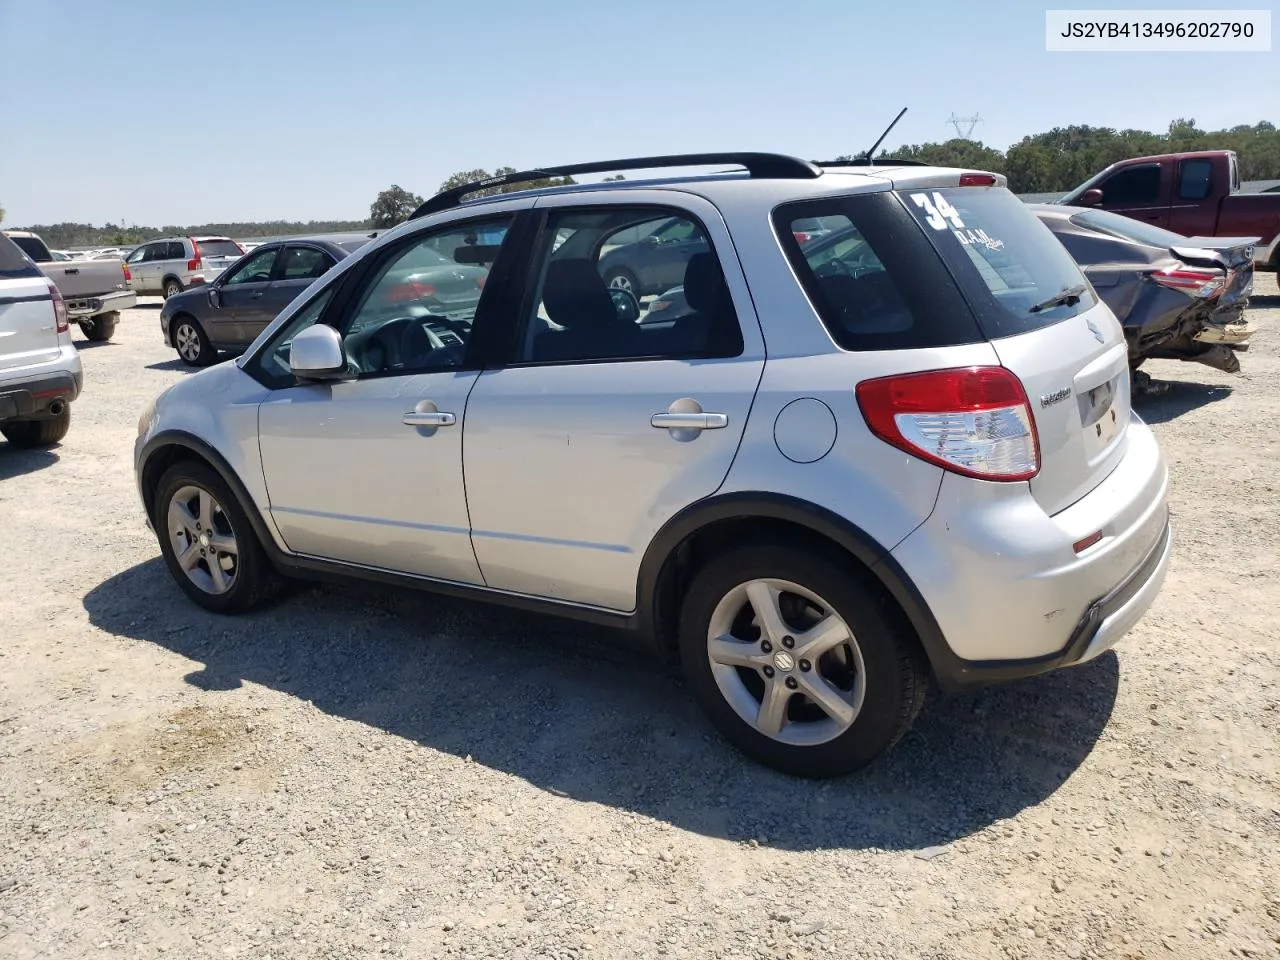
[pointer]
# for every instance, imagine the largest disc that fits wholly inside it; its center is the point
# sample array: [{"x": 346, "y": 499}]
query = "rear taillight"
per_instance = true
[
  {"x": 801, "y": 236},
  {"x": 411, "y": 290},
  {"x": 977, "y": 180},
  {"x": 480, "y": 280},
  {"x": 128, "y": 274},
  {"x": 974, "y": 421},
  {"x": 1203, "y": 283},
  {"x": 59, "y": 310},
  {"x": 194, "y": 262}
]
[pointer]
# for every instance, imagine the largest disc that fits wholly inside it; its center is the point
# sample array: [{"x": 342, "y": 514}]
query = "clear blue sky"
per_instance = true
[{"x": 157, "y": 112}]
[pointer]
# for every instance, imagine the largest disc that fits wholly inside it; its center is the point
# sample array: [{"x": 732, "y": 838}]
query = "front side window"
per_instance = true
[
  {"x": 1133, "y": 187},
  {"x": 599, "y": 274},
  {"x": 255, "y": 269},
  {"x": 416, "y": 310},
  {"x": 1195, "y": 179},
  {"x": 137, "y": 255},
  {"x": 305, "y": 263}
]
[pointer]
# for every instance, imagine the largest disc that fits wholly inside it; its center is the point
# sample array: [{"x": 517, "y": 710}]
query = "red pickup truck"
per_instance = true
[{"x": 1195, "y": 194}]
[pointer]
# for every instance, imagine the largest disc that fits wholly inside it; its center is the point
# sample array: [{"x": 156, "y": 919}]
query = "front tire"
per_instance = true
[
  {"x": 192, "y": 344},
  {"x": 208, "y": 542},
  {"x": 34, "y": 434},
  {"x": 797, "y": 663},
  {"x": 101, "y": 328}
]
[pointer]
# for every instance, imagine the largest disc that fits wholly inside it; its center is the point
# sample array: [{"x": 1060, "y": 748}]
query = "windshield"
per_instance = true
[
  {"x": 1005, "y": 260},
  {"x": 1126, "y": 228},
  {"x": 219, "y": 248}
]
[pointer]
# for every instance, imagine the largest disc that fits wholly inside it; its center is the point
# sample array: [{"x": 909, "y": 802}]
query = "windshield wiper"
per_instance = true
[{"x": 1062, "y": 298}]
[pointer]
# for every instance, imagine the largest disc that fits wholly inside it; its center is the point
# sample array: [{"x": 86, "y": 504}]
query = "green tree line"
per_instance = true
[{"x": 1067, "y": 156}]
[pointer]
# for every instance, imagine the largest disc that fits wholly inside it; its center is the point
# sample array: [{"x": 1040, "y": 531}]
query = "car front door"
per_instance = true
[
  {"x": 242, "y": 295},
  {"x": 1140, "y": 191},
  {"x": 368, "y": 471},
  {"x": 597, "y": 430},
  {"x": 147, "y": 274},
  {"x": 299, "y": 266},
  {"x": 137, "y": 282}
]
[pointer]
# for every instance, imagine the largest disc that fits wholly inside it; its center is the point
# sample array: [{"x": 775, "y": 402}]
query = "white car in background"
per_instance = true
[{"x": 169, "y": 265}]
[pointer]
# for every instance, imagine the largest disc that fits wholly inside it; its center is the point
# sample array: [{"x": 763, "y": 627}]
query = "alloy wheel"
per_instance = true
[
  {"x": 203, "y": 541},
  {"x": 188, "y": 342},
  {"x": 786, "y": 662}
]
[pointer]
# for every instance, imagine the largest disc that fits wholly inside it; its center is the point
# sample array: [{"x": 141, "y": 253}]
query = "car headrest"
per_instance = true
[
  {"x": 703, "y": 282},
  {"x": 575, "y": 295}
]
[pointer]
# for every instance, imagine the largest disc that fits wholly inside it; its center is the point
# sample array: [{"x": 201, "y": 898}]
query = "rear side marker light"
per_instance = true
[
  {"x": 977, "y": 180},
  {"x": 974, "y": 421},
  {"x": 1080, "y": 546},
  {"x": 1202, "y": 284}
]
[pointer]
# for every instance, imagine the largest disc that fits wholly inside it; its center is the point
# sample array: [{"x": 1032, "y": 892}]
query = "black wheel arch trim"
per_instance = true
[
  {"x": 756, "y": 505},
  {"x": 206, "y": 452}
]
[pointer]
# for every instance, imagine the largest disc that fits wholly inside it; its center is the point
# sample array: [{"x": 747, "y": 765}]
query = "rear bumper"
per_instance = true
[
  {"x": 82, "y": 308},
  {"x": 32, "y": 393},
  {"x": 1012, "y": 598}
]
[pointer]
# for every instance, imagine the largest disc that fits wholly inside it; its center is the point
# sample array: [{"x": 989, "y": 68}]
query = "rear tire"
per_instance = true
[
  {"x": 101, "y": 328},
  {"x": 33, "y": 434},
  {"x": 191, "y": 342},
  {"x": 172, "y": 288},
  {"x": 868, "y": 677},
  {"x": 230, "y": 574}
]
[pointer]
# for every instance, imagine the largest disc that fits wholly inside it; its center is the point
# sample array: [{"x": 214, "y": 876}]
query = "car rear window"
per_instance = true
[
  {"x": 33, "y": 248},
  {"x": 1009, "y": 264},
  {"x": 220, "y": 248},
  {"x": 873, "y": 278},
  {"x": 13, "y": 262},
  {"x": 1126, "y": 228}
]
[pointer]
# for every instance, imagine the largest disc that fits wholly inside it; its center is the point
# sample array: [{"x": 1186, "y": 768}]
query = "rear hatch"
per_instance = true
[
  {"x": 216, "y": 254},
  {"x": 1046, "y": 324},
  {"x": 28, "y": 325}
]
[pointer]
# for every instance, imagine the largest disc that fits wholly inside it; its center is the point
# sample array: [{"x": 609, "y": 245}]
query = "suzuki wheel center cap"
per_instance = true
[{"x": 783, "y": 661}]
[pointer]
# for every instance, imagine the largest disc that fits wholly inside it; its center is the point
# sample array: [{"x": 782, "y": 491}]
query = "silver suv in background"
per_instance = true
[
  {"x": 40, "y": 372},
  {"x": 901, "y": 449},
  {"x": 171, "y": 264}
]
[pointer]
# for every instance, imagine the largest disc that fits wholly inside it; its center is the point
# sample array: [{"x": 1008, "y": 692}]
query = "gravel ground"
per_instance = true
[{"x": 356, "y": 773}]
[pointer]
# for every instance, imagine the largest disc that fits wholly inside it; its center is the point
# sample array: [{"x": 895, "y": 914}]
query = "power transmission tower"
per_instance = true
[{"x": 964, "y": 125}]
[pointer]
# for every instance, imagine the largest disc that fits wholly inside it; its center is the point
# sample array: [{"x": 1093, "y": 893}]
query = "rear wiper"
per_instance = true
[{"x": 1062, "y": 298}]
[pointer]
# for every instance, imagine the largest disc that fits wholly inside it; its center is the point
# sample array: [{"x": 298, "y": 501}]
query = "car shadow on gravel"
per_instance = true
[
  {"x": 174, "y": 364},
  {"x": 14, "y": 461},
  {"x": 93, "y": 344},
  {"x": 560, "y": 706},
  {"x": 1176, "y": 398}
]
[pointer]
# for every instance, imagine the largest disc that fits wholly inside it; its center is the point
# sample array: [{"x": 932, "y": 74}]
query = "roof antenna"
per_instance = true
[{"x": 865, "y": 159}]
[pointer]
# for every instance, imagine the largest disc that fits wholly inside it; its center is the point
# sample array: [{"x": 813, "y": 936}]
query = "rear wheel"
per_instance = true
[
  {"x": 101, "y": 328},
  {"x": 192, "y": 344},
  {"x": 797, "y": 663},
  {"x": 32, "y": 434},
  {"x": 172, "y": 288},
  {"x": 208, "y": 542}
]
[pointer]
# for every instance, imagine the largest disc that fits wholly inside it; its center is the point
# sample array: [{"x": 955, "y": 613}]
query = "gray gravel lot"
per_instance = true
[{"x": 359, "y": 773}]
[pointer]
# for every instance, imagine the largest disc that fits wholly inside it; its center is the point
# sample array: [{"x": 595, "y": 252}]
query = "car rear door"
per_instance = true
[
  {"x": 576, "y": 454},
  {"x": 28, "y": 325}
]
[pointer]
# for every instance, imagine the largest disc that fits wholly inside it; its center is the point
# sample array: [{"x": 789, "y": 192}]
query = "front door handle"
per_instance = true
[
  {"x": 71, "y": 271},
  {"x": 429, "y": 418},
  {"x": 689, "y": 421}
]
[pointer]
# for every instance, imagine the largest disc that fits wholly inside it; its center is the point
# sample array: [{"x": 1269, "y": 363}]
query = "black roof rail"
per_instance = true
[{"x": 763, "y": 165}]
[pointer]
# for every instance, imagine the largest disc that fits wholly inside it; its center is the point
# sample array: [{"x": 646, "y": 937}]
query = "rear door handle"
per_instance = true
[
  {"x": 429, "y": 418},
  {"x": 70, "y": 271},
  {"x": 689, "y": 421}
]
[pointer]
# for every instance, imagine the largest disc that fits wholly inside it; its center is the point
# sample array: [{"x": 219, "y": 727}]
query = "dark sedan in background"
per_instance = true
[
  {"x": 1178, "y": 298},
  {"x": 229, "y": 313}
]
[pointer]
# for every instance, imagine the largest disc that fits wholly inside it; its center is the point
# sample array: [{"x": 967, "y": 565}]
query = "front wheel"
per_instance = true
[
  {"x": 101, "y": 328},
  {"x": 192, "y": 344},
  {"x": 797, "y": 663},
  {"x": 208, "y": 542}
]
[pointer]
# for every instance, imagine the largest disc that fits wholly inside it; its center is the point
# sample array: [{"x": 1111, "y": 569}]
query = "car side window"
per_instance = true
[
  {"x": 1195, "y": 178},
  {"x": 416, "y": 309},
  {"x": 155, "y": 252},
  {"x": 601, "y": 295},
  {"x": 138, "y": 255},
  {"x": 1132, "y": 187},
  {"x": 274, "y": 361},
  {"x": 175, "y": 250},
  {"x": 256, "y": 269},
  {"x": 305, "y": 263}
]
